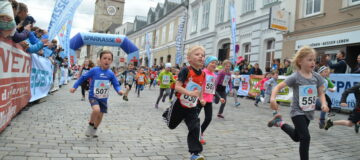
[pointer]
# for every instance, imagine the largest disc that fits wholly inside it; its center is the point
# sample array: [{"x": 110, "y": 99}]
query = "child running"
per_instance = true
[
  {"x": 236, "y": 80},
  {"x": 165, "y": 78},
  {"x": 354, "y": 117},
  {"x": 141, "y": 80},
  {"x": 307, "y": 86},
  {"x": 186, "y": 106},
  {"x": 87, "y": 65},
  {"x": 175, "y": 72},
  {"x": 129, "y": 77},
  {"x": 272, "y": 82},
  {"x": 153, "y": 75},
  {"x": 223, "y": 79},
  {"x": 261, "y": 85},
  {"x": 208, "y": 93},
  {"x": 328, "y": 85},
  {"x": 101, "y": 77}
]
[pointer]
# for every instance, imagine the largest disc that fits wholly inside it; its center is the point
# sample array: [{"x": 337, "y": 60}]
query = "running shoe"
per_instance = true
[
  {"x": 237, "y": 104},
  {"x": 331, "y": 114},
  {"x": 156, "y": 106},
  {"x": 256, "y": 104},
  {"x": 197, "y": 157},
  {"x": 329, "y": 123},
  {"x": 89, "y": 131},
  {"x": 322, "y": 123},
  {"x": 83, "y": 99},
  {"x": 275, "y": 121},
  {"x": 220, "y": 116},
  {"x": 202, "y": 140},
  {"x": 93, "y": 133},
  {"x": 356, "y": 127},
  {"x": 125, "y": 98}
]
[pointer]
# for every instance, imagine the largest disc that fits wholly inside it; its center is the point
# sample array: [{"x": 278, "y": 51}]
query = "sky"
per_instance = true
[{"x": 41, "y": 10}]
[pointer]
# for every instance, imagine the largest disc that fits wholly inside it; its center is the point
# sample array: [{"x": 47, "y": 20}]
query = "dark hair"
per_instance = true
[
  {"x": 106, "y": 52},
  {"x": 14, "y": 4},
  {"x": 22, "y": 7},
  {"x": 342, "y": 53}
]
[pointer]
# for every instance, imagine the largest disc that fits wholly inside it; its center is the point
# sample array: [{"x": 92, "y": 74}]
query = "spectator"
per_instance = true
[
  {"x": 340, "y": 65},
  {"x": 256, "y": 70},
  {"x": 7, "y": 23},
  {"x": 357, "y": 68},
  {"x": 288, "y": 69},
  {"x": 276, "y": 65}
]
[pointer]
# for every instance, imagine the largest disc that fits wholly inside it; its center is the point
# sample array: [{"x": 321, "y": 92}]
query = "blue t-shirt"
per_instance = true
[{"x": 100, "y": 82}]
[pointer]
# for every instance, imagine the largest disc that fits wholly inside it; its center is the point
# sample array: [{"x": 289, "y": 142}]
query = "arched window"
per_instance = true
[{"x": 168, "y": 58}]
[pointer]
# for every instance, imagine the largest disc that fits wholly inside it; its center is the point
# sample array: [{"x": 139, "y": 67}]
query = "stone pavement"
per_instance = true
[{"x": 134, "y": 130}]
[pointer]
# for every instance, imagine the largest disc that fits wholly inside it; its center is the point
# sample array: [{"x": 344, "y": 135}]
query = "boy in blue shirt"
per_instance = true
[{"x": 101, "y": 76}]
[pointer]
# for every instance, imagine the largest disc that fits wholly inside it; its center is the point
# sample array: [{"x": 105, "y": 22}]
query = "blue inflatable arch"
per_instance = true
[{"x": 101, "y": 39}]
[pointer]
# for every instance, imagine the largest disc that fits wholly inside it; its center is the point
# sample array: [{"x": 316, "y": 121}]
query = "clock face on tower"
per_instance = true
[{"x": 111, "y": 10}]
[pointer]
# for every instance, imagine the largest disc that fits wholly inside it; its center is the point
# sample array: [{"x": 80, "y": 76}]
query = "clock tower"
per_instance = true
[{"x": 108, "y": 12}]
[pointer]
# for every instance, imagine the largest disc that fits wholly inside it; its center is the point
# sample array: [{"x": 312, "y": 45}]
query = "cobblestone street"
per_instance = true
[{"x": 134, "y": 130}]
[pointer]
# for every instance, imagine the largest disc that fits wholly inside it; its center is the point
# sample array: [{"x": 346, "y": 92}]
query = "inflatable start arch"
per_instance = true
[{"x": 101, "y": 39}]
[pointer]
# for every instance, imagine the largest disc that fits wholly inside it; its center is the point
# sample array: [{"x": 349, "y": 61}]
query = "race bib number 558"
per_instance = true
[
  {"x": 101, "y": 88},
  {"x": 307, "y": 97}
]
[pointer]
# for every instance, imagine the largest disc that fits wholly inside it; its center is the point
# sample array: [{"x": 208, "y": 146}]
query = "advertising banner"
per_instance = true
[
  {"x": 41, "y": 77},
  {"x": 244, "y": 85},
  {"x": 343, "y": 82},
  {"x": 15, "y": 67},
  {"x": 254, "y": 79}
]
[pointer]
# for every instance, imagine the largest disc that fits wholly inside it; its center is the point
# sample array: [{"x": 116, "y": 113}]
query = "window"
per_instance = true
[
  {"x": 163, "y": 35},
  {"x": 155, "y": 61},
  {"x": 143, "y": 42},
  {"x": 247, "y": 51},
  {"x": 248, "y": 5},
  {"x": 205, "y": 17},
  {"x": 266, "y": 2},
  {"x": 270, "y": 51},
  {"x": 157, "y": 38},
  {"x": 168, "y": 59},
  {"x": 161, "y": 60},
  {"x": 220, "y": 11},
  {"x": 171, "y": 32},
  {"x": 194, "y": 21},
  {"x": 354, "y": 2},
  {"x": 312, "y": 7}
]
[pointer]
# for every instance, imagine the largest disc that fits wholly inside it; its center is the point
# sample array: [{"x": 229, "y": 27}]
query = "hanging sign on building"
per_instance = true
[{"x": 279, "y": 19}]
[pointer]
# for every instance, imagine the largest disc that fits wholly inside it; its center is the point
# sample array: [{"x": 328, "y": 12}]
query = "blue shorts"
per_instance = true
[
  {"x": 101, "y": 103},
  {"x": 141, "y": 87}
]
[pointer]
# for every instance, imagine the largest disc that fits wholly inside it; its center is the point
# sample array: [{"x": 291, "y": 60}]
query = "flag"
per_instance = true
[
  {"x": 180, "y": 39},
  {"x": 148, "y": 49},
  {"x": 63, "y": 11},
  {"x": 233, "y": 31}
]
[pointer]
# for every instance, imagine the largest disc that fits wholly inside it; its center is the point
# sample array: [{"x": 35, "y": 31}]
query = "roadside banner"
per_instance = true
[
  {"x": 244, "y": 85},
  {"x": 41, "y": 77},
  {"x": 343, "y": 82},
  {"x": 15, "y": 67}
]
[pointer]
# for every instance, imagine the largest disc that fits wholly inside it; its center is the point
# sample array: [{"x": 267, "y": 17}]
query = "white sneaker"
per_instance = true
[
  {"x": 93, "y": 133},
  {"x": 89, "y": 131}
]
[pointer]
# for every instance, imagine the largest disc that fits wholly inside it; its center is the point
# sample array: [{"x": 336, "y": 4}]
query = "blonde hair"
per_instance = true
[
  {"x": 226, "y": 62},
  {"x": 192, "y": 49},
  {"x": 300, "y": 54}
]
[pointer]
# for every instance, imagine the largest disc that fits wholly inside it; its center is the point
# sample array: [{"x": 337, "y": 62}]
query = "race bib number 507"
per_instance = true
[{"x": 101, "y": 88}]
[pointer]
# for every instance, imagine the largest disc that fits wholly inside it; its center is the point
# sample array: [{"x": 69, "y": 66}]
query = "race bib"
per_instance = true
[
  {"x": 101, "y": 88},
  {"x": 210, "y": 85},
  {"x": 226, "y": 80},
  {"x": 307, "y": 97},
  {"x": 129, "y": 79},
  {"x": 190, "y": 101},
  {"x": 141, "y": 79},
  {"x": 237, "y": 82},
  {"x": 166, "y": 80},
  {"x": 152, "y": 76}
]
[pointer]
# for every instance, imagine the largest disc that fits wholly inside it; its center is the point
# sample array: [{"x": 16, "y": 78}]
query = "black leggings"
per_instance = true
[
  {"x": 167, "y": 90},
  {"x": 176, "y": 114},
  {"x": 217, "y": 99},
  {"x": 300, "y": 134},
  {"x": 171, "y": 93},
  {"x": 84, "y": 87},
  {"x": 208, "y": 116}
]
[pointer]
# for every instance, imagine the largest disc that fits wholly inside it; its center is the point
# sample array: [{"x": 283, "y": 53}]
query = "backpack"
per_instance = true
[{"x": 348, "y": 68}]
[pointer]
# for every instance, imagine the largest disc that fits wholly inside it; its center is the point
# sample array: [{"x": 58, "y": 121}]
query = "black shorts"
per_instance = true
[
  {"x": 130, "y": 85},
  {"x": 236, "y": 87},
  {"x": 101, "y": 103},
  {"x": 354, "y": 117}
]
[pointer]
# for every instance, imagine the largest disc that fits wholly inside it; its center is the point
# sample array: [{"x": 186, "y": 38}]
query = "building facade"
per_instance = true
[
  {"x": 161, "y": 26},
  {"x": 327, "y": 26},
  {"x": 209, "y": 25},
  {"x": 107, "y": 13}
]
